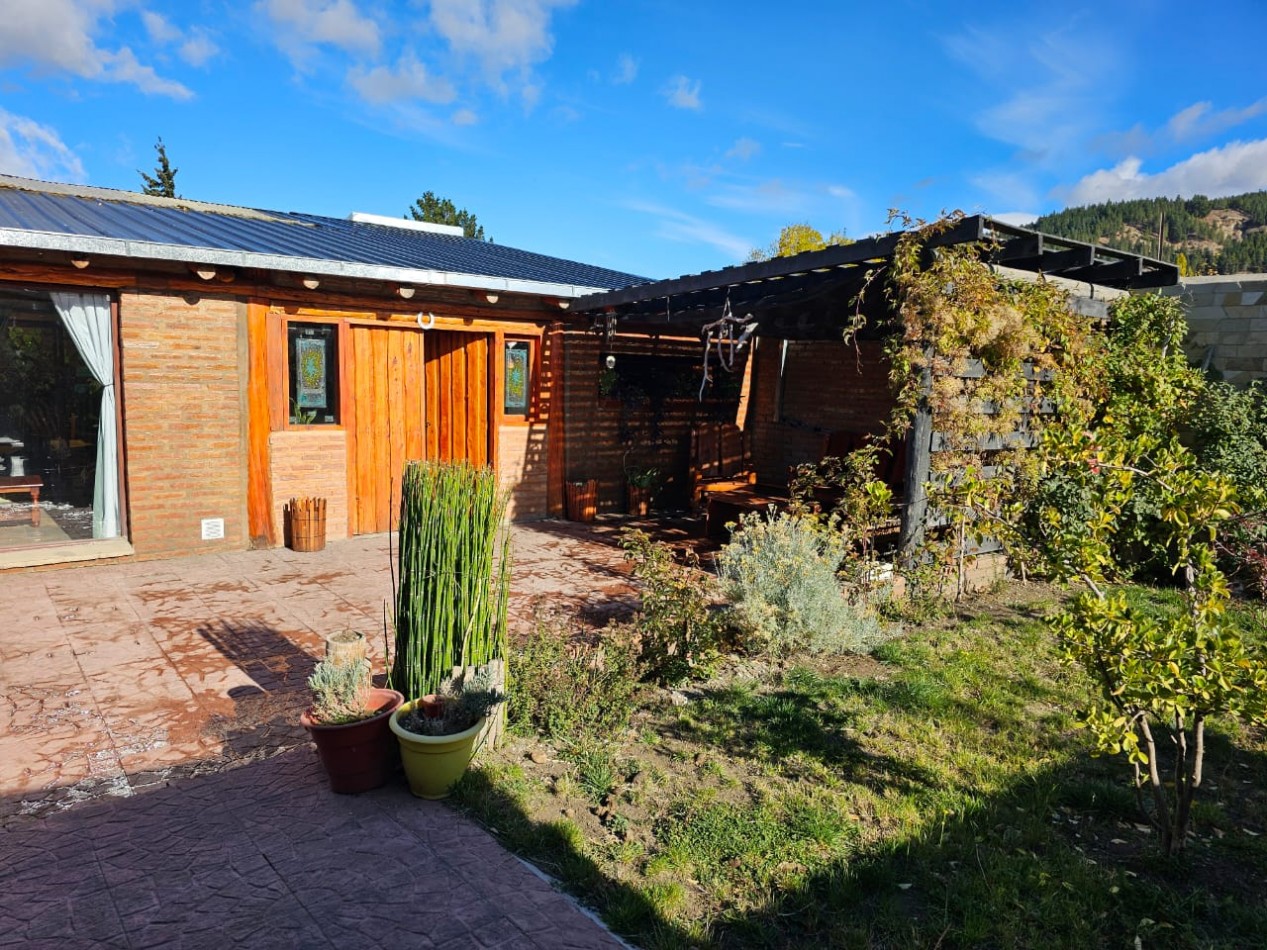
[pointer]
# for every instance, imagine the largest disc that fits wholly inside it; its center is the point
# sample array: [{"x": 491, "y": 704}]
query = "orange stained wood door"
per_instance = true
[{"x": 415, "y": 395}]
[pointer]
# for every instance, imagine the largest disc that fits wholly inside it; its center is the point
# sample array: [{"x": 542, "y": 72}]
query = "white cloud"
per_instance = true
[
  {"x": 160, "y": 29},
  {"x": 195, "y": 47},
  {"x": 409, "y": 79},
  {"x": 842, "y": 192},
  {"x": 503, "y": 35},
  {"x": 123, "y": 67},
  {"x": 465, "y": 117},
  {"x": 32, "y": 150},
  {"x": 1020, "y": 219},
  {"x": 743, "y": 149},
  {"x": 682, "y": 93},
  {"x": 305, "y": 23},
  {"x": 1191, "y": 124},
  {"x": 61, "y": 35},
  {"x": 198, "y": 48},
  {"x": 1227, "y": 170},
  {"x": 1051, "y": 88},
  {"x": 626, "y": 70},
  {"x": 1008, "y": 188},
  {"x": 675, "y": 225}
]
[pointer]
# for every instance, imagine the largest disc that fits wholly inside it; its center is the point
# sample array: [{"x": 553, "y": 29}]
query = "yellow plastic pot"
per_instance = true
[{"x": 433, "y": 764}]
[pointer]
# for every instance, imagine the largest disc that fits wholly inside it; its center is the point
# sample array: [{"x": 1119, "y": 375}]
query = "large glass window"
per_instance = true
[
  {"x": 313, "y": 351},
  {"x": 58, "y": 481}
]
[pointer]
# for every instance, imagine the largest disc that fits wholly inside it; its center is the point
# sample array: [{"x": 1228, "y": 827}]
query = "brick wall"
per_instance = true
[
  {"x": 311, "y": 462},
  {"x": 183, "y": 369},
  {"x": 826, "y": 386},
  {"x": 1227, "y": 322},
  {"x": 521, "y": 467},
  {"x": 600, "y": 429}
]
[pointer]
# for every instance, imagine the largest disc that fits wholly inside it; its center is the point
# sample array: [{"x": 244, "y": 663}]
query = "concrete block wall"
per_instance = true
[
  {"x": 311, "y": 462},
  {"x": 1227, "y": 322},
  {"x": 184, "y": 420}
]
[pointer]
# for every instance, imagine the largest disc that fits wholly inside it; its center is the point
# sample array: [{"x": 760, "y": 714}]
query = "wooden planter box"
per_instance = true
[
  {"x": 582, "y": 500},
  {"x": 306, "y": 524}
]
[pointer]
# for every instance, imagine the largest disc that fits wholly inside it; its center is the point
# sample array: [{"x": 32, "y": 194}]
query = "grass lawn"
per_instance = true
[{"x": 935, "y": 794}]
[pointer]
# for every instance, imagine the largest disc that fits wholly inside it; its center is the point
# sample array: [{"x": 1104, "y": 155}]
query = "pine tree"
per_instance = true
[
  {"x": 162, "y": 184},
  {"x": 443, "y": 211}
]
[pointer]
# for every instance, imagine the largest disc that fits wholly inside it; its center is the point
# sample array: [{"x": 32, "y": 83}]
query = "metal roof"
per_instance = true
[
  {"x": 51, "y": 216},
  {"x": 808, "y": 295}
]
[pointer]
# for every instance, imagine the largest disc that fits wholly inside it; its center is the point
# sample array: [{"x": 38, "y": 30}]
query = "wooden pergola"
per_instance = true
[
  {"x": 817, "y": 295},
  {"x": 811, "y": 296}
]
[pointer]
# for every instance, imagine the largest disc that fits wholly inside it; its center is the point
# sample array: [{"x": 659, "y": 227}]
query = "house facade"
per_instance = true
[{"x": 172, "y": 372}]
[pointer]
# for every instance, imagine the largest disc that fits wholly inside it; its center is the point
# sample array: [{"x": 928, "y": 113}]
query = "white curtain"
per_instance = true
[{"x": 87, "y": 319}]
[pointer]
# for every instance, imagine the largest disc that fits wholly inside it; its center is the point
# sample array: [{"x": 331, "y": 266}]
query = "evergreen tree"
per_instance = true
[
  {"x": 443, "y": 211},
  {"x": 162, "y": 184}
]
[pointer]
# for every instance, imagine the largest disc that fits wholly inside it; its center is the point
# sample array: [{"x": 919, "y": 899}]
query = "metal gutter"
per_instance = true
[{"x": 149, "y": 250}]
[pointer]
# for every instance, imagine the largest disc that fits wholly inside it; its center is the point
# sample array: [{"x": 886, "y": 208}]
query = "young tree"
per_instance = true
[
  {"x": 794, "y": 239},
  {"x": 162, "y": 184},
  {"x": 443, "y": 211}
]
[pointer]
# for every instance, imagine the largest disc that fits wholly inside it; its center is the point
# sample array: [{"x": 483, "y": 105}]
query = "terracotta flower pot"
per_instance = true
[
  {"x": 433, "y": 764},
  {"x": 582, "y": 499},
  {"x": 639, "y": 498},
  {"x": 358, "y": 756}
]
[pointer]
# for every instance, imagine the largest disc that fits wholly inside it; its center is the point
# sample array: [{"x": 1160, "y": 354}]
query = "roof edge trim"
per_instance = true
[{"x": 146, "y": 250}]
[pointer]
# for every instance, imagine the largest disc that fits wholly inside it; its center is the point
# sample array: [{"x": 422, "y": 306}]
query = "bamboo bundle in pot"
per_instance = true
[{"x": 306, "y": 521}]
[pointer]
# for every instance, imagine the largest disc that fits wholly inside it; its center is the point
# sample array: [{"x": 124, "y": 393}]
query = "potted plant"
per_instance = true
[
  {"x": 348, "y": 721},
  {"x": 642, "y": 481},
  {"x": 454, "y": 584},
  {"x": 437, "y": 743}
]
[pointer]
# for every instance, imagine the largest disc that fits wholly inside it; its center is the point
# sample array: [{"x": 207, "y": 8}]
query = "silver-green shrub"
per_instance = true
[{"x": 779, "y": 572}]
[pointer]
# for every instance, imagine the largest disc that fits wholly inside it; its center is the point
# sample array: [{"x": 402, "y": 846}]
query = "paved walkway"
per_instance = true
[{"x": 161, "y": 698}]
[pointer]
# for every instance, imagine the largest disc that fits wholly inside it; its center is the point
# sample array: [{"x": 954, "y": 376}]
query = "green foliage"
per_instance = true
[
  {"x": 453, "y": 574},
  {"x": 162, "y": 184},
  {"x": 1206, "y": 248},
  {"x": 443, "y": 211},
  {"x": 678, "y": 634},
  {"x": 1126, "y": 485},
  {"x": 340, "y": 691},
  {"x": 780, "y": 570},
  {"x": 1228, "y": 433},
  {"x": 465, "y": 700},
  {"x": 564, "y": 687},
  {"x": 796, "y": 239}
]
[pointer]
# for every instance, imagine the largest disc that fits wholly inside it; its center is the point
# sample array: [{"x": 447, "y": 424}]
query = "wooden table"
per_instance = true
[{"x": 16, "y": 484}]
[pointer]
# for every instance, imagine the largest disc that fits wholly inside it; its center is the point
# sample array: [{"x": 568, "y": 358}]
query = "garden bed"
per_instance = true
[{"x": 938, "y": 793}]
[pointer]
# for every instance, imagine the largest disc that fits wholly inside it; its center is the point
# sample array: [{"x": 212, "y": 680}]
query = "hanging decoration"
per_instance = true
[{"x": 728, "y": 336}]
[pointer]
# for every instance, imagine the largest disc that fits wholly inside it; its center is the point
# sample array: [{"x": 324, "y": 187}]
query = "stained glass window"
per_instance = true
[
  {"x": 518, "y": 373},
  {"x": 314, "y": 373}
]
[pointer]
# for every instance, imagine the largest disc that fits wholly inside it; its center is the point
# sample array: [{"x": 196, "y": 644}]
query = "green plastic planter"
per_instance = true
[{"x": 433, "y": 764}]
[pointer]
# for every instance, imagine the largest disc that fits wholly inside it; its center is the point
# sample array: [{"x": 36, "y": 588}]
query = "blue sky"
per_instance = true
[{"x": 655, "y": 137}]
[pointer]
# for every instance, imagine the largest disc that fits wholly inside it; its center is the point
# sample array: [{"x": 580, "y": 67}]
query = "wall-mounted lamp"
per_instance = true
[
  {"x": 610, "y": 360},
  {"x": 405, "y": 292},
  {"x": 79, "y": 262},
  {"x": 311, "y": 283},
  {"x": 205, "y": 273},
  {"x": 492, "y": 298}
]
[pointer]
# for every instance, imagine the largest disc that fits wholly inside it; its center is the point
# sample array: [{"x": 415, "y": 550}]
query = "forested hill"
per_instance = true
[{"x": 1203, "y": 235}]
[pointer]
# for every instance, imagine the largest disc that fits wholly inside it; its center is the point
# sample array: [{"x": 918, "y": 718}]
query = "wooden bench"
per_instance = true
[{"x": 17, "y": 484}]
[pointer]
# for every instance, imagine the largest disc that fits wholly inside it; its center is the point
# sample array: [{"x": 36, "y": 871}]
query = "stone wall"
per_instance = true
[{"x": 1227, "y": 320}]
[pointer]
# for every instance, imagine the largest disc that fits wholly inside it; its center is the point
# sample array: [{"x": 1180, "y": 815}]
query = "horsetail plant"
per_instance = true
[{"x": 453, "y": 574}]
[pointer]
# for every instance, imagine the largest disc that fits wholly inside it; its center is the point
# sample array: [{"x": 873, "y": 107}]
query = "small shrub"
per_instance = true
[
  {"x": 780, "y": 572},
  {"x": 678, "y": 635},
  {"x": 564, "y": 688},
  {"x": 340, "y": 691}
]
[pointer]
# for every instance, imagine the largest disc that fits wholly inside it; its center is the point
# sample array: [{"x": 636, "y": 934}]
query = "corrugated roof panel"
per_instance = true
[{"x": 24, "y": 205}]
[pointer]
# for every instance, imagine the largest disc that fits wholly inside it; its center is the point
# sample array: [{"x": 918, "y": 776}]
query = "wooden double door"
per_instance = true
[{"x": 415, "y": 395}]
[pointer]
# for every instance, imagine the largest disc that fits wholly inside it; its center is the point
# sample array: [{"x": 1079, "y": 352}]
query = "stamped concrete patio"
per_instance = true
[{"x": 156, "y": 789}]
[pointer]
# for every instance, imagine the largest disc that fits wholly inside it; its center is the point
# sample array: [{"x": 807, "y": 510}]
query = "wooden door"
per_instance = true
[
  {"x": 415, "y": 395},
  {"x": 457, "y": 399}
]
